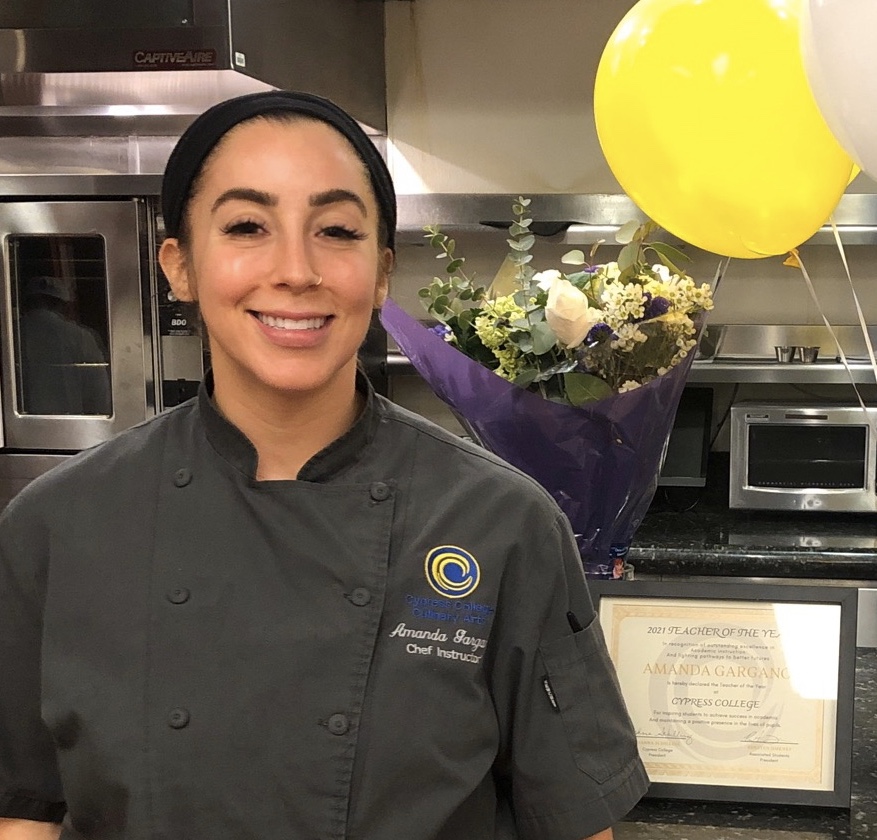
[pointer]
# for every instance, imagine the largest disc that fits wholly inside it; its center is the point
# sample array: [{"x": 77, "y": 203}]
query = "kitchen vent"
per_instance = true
[{"x": 107, "y": 67}]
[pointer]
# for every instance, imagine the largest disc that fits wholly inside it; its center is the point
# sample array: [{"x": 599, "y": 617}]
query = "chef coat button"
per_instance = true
[
  {"x": 177, "y": 718},
  {"x": 360, "y": 596},
  {"x": 182, "y": 477},
  {"x": 179, "y": 595},
  {"x": 379, "y": 491},
  {"x": 338, "y": 724}
]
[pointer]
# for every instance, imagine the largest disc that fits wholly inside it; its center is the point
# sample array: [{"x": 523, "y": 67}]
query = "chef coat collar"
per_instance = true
[{"x": 234, "y": 446}]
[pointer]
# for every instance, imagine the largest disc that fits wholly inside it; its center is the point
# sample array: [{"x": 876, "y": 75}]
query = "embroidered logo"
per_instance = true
[{"x": 451, "y": 571}]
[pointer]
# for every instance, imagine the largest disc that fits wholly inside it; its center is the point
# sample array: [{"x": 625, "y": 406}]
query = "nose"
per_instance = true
[{"x": 295, "y": 264}]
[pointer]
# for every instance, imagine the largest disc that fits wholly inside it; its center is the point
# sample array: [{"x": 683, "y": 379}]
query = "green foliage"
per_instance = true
[
  {"x": 508, "y": 327},
  {"x": 584, "y": 387}
]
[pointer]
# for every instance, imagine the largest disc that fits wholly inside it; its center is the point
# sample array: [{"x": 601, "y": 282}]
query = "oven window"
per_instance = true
[
  {"x": 60, "y": 324},
  {"x": 801, "y": 457}
]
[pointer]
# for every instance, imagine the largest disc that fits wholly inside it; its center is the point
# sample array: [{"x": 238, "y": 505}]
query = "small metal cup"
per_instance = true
[
  {"x": 784, "y": 353},
  {"x": 808, "y": 354}
]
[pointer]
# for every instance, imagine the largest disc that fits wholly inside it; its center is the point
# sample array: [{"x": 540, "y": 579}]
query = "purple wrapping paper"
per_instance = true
[{"x": 600, "y": 462}]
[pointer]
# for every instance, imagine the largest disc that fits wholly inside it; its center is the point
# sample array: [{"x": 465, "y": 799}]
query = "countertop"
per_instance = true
[
  {"x": 691, "y": 531},
  {"x": 656, "y": 819}
]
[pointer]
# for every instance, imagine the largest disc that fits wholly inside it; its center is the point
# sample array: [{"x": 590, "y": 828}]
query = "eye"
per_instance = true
[
  {"x": 245, "y": 227},
  {"x": 342, "y": 232}
]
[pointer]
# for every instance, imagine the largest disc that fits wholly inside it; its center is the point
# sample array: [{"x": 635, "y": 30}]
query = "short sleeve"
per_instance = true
[
  {"x": 30, "y": 786},
  {"x": 569, "y": 759}
]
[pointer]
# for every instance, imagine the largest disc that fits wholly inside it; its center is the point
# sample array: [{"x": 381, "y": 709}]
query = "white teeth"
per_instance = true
[{"x": 291, "y": 323}]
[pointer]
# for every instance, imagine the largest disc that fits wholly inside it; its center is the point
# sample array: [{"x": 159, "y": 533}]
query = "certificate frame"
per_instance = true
[{"x": 711, "y": 782}]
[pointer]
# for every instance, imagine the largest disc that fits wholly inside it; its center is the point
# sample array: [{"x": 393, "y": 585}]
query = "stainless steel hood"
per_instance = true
[{"x": 149, "y": 66}]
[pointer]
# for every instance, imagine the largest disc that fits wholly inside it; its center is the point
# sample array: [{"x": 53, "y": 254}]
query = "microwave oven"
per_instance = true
[{"x": 810, "y": 457}]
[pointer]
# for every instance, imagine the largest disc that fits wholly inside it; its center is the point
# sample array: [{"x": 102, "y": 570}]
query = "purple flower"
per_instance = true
[
  {"x": 442, "y": 331},
  {"x": 655, "y": 307},
  {"x": 598, "y": 333}
]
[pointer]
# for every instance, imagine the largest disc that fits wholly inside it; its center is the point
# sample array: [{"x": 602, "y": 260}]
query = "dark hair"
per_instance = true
[{"x": 195, "y": 146}]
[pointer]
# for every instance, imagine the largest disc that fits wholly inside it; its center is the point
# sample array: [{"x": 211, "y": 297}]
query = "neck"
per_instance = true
[{"x": 288, "y": 428}]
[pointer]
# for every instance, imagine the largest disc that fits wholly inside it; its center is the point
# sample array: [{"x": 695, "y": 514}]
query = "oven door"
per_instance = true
[{"x": 72, "y": 327}]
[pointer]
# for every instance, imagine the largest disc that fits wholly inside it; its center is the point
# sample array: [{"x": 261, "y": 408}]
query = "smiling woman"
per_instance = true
[
  {"x": 276, "y": 610},
  {"x": 281, "y": 251}
]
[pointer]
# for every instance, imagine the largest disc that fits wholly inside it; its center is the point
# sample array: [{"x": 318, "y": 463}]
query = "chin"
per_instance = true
[{"x": 306, "y": 381}]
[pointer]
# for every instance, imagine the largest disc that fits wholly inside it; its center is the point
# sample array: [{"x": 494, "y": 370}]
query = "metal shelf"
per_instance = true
[
  {"x": 591, "y": 216},
  {"x": 708, "y": 371}
]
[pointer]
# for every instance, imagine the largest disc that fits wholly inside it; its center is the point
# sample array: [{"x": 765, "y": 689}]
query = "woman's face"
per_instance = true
[{"x": 283, "y": 257}]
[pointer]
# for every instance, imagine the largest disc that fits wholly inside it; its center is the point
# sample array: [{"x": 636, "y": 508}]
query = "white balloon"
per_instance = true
[{"x": 840, "y": 57}]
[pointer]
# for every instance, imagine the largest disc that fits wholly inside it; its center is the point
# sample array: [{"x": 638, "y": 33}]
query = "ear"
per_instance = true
[
  {"x": 175, "y": 266},
  {"x": 385, "y": 269}
]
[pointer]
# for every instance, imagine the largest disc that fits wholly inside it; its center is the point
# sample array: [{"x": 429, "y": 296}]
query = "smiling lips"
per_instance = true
[{"x": 292, "y": 324}]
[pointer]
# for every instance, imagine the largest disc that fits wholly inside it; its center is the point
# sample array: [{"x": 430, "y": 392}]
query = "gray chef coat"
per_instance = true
[{"x": 377, "y": 651}]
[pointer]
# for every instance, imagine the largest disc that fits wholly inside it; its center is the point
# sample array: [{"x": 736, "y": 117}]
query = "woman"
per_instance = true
[{"x": 289, "y": 608}]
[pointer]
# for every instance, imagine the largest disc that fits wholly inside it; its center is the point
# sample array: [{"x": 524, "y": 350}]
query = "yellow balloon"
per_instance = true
[
  {"x": 706, "y": 118},
  {"x": 853, "y": 174}
]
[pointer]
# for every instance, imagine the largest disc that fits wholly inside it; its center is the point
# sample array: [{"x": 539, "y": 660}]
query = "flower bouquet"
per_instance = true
[{"x": 573, "y": 377}]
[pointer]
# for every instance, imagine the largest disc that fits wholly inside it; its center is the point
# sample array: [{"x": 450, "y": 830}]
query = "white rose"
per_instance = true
[
  {"x": 545, "y": 279},
  {"x": 569, "y": 314}
]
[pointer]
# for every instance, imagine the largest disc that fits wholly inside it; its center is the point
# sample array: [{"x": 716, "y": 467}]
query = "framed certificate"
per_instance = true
[{"x": 738, "y": 692}]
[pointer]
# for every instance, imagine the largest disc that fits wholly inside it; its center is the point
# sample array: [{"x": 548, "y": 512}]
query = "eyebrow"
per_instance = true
[
  {"x": 245, "y": 194},
  {"x": 336, "y": 196},
  {"x": 321, "y": 199}
]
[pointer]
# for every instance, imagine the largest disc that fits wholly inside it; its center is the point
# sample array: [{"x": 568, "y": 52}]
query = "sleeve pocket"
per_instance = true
[{"x": 589, "y": 700}]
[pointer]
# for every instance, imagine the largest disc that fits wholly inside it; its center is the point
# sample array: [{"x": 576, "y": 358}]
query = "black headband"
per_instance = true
[{"x": 207, "y": 130}]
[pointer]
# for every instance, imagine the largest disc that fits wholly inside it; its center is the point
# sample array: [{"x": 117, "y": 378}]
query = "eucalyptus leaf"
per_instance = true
[
  {"x": 525, "y": 377},
  {"x": 626, "y": 232},
  {"x": 543, "y": 338},
  {"x": 517, "y": 230},
  {"x": 436, "y": 240},
  {"x": 518, "y": 209},
  {"x": 582, "y": 388},
  {"x": 577, "y": 277},
  {"x": 524, "y": 202},
  {"x": 523, "y": 244},
  {"x": 628, "y": 256},
  {"x": 449, "y": 246},
  {"x": 670, "y": 252},
  {"x": 424, "y": 293},
  {"x": 574, "y": 257},
  {"x": 454, "y": 265},
  {"x": 648, "y": 228},
  {"x": 627, "y": 275},
  {"x": 669, "y": 264}
]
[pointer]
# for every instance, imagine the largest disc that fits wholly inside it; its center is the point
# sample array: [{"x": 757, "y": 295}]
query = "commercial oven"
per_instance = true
[{"x": 92, "y": 340}]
